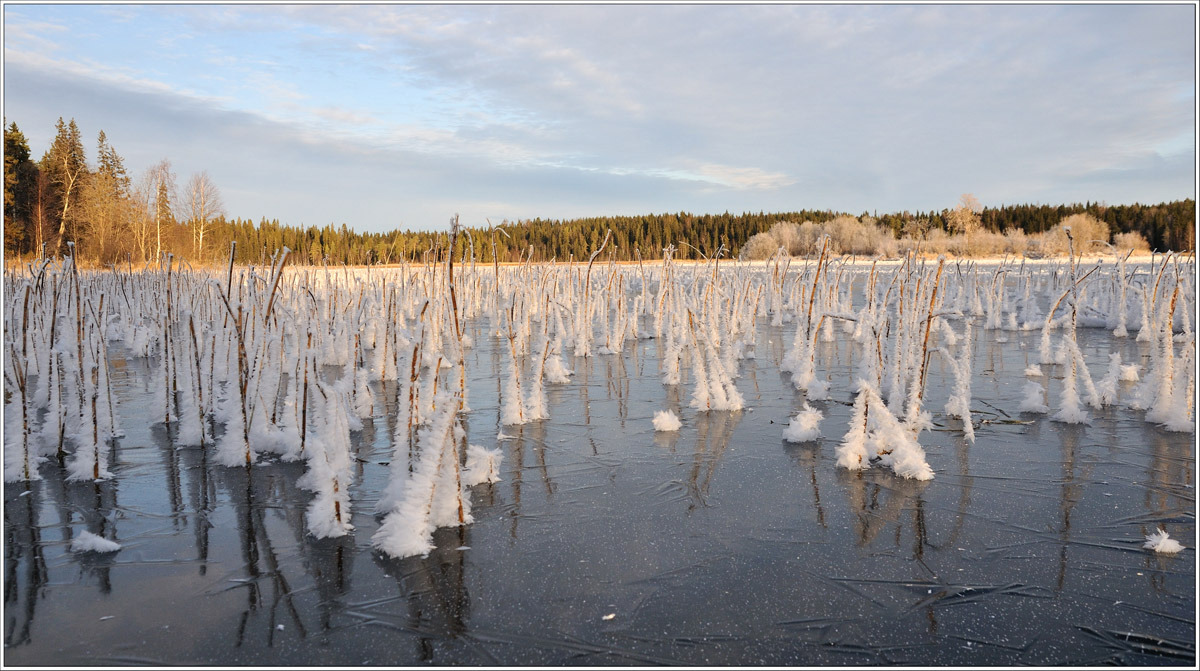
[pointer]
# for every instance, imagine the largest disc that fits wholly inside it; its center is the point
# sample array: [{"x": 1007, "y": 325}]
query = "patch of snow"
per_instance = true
[
  {"x": 1161, "y": 542},
  {"x": 805, "y": 426},
  {"x": 666, "y": 420},
  {"x": 87, "y": 541}
]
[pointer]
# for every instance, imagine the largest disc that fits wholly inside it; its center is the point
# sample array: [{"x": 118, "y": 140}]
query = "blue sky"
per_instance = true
[{"x": 400, "y": 116}]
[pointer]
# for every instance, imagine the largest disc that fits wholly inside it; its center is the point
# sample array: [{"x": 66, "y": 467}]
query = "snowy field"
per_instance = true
[{"x": 790, "y": 463}]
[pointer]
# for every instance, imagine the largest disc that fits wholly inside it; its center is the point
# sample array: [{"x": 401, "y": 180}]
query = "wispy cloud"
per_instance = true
[{"x": 554, "y": 109}]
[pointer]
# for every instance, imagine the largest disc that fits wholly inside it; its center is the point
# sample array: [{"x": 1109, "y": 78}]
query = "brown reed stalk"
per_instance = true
[
  {"x": 928, "y": 323},
  {"x": 462, "y": 366},
  {"x": 95, "y": 424},
  {"x": 304, "y": 396},
  {"x": 512, "y": 346},
  {"x": 813, "y": 294},
  {"x": 199, "y": 382}
]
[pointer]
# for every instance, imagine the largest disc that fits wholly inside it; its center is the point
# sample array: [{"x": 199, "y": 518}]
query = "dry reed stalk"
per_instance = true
[
  {"x": 1168, "y": 342},
  {"x": 928, "y": 323},
  {"x": 512, "y": 346},
  {"x": 304, "y": 396},
  {"x": 462, "y": 366},
  {"x": 22, "y": 379},
  {"x": 78, "y": 327},
  {"x": 95, "y": 424},
  {"x": 199, "y": 381},
  {"x": 587, "y": 281},
  {"x": 813, "y": 293},
  {"x": 412, "y": 401},
  {"x": 243, "y": 368}
]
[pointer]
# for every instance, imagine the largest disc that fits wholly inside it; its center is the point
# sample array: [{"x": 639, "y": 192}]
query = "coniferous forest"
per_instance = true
[{"x": 111, "y": 216}]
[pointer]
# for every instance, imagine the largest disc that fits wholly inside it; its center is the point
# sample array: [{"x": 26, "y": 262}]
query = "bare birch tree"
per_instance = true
[{"x": 204, "y": 204}]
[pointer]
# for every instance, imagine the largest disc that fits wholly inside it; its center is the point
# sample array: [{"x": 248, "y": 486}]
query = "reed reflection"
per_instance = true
[
  {"x": 201, "y": 493},
  {"x": 1071, "y": 488},
  {"x": 807, "y": 456},
  {"x": 330, "y": 562},
  {"x": 713, "y": 431},
  {"x": 25, "y": 572},
  {"x": 250, "y": 491},
  {"x": 434, "y": 589},
  {"x": 877, "y": 501}
]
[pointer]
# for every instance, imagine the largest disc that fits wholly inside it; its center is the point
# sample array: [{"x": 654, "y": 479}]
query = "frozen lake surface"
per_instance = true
[{"x": 607, "y": 543}]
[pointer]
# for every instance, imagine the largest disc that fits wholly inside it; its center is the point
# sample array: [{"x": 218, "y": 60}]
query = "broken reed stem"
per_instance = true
[
  {"x": 1050, "y": 314},
  {"x": 278, "y": 272},
  {"x": 587, "y": 281}
]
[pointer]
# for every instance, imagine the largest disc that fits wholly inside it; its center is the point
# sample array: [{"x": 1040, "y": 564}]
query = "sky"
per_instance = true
[{"x": 388, "y": 117}]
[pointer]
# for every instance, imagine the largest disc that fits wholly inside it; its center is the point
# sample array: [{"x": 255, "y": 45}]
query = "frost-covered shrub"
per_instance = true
[
  {"x": 847, "y": 235},
  {"x": 760, "y": 246},
  {"x": 1132, "y": 240},
  {"x": 1090, "y": 234}
]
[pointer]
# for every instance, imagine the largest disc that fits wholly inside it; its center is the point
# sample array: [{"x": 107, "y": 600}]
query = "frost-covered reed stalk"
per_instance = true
[
  {"x": 513, "y": 403},
  {"x": 801, "y": 359},
  {"x": 329, "y": 471},
  {"x": 916, "y": 419},
  {"x": 876, "y": 436},
  {"x": 1161, "y": 410},
  {"x": 20, "y": 458},
  {"x": 460, "y": 348},
  {"x": 1120, "y": 330},
  {"x": 1044, "y": 351},
  {"x": 1149, "y": 327},
  {"x": 536, "y": 404},
  {"x": 234, "y": 448},
  {"x": 1069, "y": 407},
  {"x": 404, "y": 439},
  {"x": 1106, "y": 388},
  {"x": 583, "y": 324},
  {"x": 430, "y": 497},
  {"x": 197, "y": 379},
  {"x": 959, "y": 403}
]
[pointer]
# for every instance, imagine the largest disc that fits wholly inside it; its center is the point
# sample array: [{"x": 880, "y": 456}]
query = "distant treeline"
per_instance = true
[
  {"x": 1165, "y": 226},
  {"x": 112, "y": 217}
]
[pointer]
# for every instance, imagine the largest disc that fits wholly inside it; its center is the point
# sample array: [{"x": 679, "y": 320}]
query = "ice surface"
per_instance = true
[{"x": 716, "y": 544}]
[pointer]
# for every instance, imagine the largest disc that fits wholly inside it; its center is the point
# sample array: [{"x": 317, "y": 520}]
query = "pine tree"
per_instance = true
[
  {"x": 18, "y": 179},
  {"x": 112, "y": 165}
]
